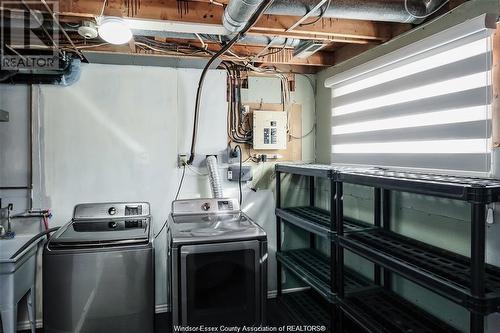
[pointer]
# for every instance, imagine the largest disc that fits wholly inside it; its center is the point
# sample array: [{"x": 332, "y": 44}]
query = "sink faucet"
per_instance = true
[
  {"x": 9, "y": 224},
  {"x": 7, "y": 233}
]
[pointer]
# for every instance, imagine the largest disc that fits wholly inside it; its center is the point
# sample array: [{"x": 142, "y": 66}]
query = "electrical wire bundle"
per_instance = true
[
  {"x": 260, "y": 10},
  {"x": 146, "y": 43},
  {"x": 239, "y": 124}
]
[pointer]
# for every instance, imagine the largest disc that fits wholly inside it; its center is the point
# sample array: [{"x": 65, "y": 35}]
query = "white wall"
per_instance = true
[
  {"x": 115, "y": 135},
  {"x": 112, "y": 136}
]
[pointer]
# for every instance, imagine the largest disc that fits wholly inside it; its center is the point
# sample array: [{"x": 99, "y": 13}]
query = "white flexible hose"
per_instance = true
[{"x": 213, "y": 177}]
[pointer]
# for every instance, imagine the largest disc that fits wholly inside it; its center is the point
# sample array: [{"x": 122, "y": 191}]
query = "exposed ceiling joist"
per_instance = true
[
  {"x": 349, "y": 29},
  {"x": 182, "y": 22},
  {"x": 207, "y": 13}
]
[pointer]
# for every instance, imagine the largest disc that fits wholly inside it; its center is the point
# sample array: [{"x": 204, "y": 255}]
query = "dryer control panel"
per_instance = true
[
  {"x": 205, "y": 206},
  {"x": 113, "y": 210}
]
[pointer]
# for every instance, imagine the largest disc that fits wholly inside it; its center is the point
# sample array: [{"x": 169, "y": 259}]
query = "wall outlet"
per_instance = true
[
  {"x": 181, "y": 160},
  {"x": 233, "y": 173}
]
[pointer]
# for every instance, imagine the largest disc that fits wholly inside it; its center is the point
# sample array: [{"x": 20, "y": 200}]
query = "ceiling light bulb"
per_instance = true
[{"x": 114, "y": 30}]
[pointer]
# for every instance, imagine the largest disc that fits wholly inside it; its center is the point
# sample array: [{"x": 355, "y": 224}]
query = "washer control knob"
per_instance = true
[
  {"x": 205, "y": 206},
  {"x": 112, "y": 211},
  {"x": 112, "y": 225}
]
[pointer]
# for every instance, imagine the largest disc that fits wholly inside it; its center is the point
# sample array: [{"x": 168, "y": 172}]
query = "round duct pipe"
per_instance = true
[
  {"x": 238, "y": 13},
  {"x": 403, "y": 11}
]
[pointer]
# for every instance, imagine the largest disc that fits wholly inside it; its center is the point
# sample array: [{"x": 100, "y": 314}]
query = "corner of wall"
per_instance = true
[{"x": 323, "y": 119}]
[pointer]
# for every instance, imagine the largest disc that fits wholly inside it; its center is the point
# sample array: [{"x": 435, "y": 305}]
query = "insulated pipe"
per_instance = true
[
  {"x": 238, "y": 13},
  {"x": 373, "y": 10},
  {"x": 213, "y": 177},
  {"x": 403, "y": 11}
]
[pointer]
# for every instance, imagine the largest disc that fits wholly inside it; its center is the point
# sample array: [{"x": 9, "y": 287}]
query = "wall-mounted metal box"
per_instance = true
[{"x": 269, "y": 130}]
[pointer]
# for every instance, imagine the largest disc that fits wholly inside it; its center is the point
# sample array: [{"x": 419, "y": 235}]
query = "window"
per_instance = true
[{"x": 424, "y": 106}]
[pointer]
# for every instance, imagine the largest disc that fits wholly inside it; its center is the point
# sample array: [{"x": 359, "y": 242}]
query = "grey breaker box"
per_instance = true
[{"x": 269, "y": 130}]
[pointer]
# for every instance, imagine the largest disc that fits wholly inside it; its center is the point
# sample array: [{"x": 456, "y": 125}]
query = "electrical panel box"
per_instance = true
[{"x": 269, "y": 130}]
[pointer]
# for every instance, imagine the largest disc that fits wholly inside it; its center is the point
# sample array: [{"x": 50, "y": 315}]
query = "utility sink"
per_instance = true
[
  {"x": 10, "y": 246},
  {"x": 17, "y": 278}
]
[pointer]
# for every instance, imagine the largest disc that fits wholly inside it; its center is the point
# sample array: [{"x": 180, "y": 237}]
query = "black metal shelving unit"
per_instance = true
[
  {"x": 309, "y": 265},
  {"x": 467, "y": 281}
]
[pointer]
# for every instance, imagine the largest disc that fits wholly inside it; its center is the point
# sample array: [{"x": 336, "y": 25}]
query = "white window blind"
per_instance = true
[{"x": 424, "y": 106}]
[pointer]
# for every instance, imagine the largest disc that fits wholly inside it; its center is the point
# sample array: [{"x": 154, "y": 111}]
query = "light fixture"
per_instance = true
[{"x": 114, "y": 30}]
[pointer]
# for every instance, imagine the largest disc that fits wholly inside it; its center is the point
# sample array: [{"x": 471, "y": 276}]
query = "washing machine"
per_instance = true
[
  {"x": 98, "y": 271},
  {"x": 218, "y": 264}
]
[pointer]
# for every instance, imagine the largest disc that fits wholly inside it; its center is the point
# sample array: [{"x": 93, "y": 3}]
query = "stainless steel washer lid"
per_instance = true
[
  {"x": 102, "y": 233},
  {"x": 105, "y": 224},
  {"x": 189, "y": 229}
]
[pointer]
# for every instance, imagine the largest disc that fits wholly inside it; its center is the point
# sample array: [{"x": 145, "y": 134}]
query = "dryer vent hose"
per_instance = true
[{"x": 213, "y": 177}]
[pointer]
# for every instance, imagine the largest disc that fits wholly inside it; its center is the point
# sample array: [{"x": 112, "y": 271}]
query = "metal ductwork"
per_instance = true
[
  {"x": 68, "y": 74},
  {"x": 247, "y": 39},
  {"x": 238, "y": 11}
]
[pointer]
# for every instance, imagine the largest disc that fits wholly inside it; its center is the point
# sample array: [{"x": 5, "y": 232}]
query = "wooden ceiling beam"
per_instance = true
[
  {"x": 328, "y": 39},
  {"x": 209, "y": 13},
  {"x": 349, "y": 29},
  {"x": 356, "y": 35}
]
